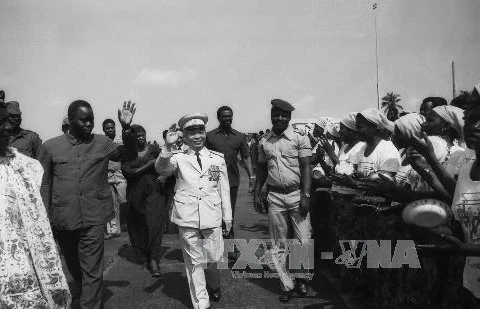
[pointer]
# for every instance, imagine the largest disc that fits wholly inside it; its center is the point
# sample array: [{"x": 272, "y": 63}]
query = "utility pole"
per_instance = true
[
  {"x": 376, "y": 54},
  {"x": 453, "y": 79}
]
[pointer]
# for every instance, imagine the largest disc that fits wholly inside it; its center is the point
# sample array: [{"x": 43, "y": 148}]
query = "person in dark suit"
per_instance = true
[
  {"x": 231, "y": 143},
  {"x": 77, "y": 195}
]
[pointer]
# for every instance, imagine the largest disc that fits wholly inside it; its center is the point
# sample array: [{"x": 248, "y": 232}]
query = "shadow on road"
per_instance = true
[
  {"x": 127, "y": 252},
  {"x": 174, "y": 255},
  {"x": 257, "y": 227},
  {"x": 176, "y": 288},
  {"x": 152, "y": 288},
  {"x": 107, "y": 294}
]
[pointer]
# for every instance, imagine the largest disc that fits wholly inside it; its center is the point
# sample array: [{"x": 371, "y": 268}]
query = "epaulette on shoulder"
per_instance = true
[
  {"x": 177, "y": 152},
  {"x": 217, "y": 153}
]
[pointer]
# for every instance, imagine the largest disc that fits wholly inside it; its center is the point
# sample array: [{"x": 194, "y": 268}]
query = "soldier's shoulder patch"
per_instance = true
[
  {"x": 177, "y": 152},
  {"x": 217, "y": 153}
]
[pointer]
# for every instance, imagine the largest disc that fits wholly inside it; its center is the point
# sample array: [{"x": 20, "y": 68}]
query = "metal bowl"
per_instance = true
[{"x": 426, "y": 213}]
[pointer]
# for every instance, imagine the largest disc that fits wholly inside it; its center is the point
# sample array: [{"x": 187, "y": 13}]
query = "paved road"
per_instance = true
[{"x": 127, "y": 285}]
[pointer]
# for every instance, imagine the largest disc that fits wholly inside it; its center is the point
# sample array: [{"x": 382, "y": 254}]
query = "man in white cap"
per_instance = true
[{"x": 201, "y": 202}]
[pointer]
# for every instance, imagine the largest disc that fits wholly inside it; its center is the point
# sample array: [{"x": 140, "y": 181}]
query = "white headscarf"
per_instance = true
[
  {"x": 349, "y": 121},
  {"x": 333, "y": 128},
  {"x": 410, "y": 125},
  {"x": 377, "y": 117},
  {"x": 324, "y": 122},
  {"x": 454, "y": 116}
]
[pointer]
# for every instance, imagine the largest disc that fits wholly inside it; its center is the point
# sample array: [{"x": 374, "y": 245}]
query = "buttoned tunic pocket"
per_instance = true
[{"x": 291, "y": 156}]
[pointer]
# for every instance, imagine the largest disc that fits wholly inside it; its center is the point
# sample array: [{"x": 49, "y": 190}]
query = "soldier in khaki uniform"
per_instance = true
[
  {"x": 201, "y": 202},
  {"x": 284, "y": 163},
  {"x": 25, "y": 141}
]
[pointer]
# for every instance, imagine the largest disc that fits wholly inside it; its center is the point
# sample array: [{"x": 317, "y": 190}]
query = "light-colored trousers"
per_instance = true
[
  {"x": 201, "y": 250},
  {"x": 119, "y": 193},
  {"x": 283, "y": 210}
]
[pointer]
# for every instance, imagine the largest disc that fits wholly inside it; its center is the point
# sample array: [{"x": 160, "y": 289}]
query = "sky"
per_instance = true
[{"x": 180, "y": 56}]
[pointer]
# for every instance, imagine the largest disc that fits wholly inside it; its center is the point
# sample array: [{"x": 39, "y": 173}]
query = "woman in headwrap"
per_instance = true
[
  {"x": 333, "y": 135},
  {"x": 146, "y": 201},
  {"x": 380, "y": 154},
  {"x": 351, "y": 152},
  {"x": 442, "y": 149},
  {"x": 342, "y": 215},
  {"x": 323, "y": 162},
  {"x": 413, "y": 181},
  {"x": 466, "y": 211}
]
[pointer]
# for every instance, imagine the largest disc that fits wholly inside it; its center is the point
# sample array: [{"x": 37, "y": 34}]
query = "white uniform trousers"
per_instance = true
[{"x": 201, "y": 250}]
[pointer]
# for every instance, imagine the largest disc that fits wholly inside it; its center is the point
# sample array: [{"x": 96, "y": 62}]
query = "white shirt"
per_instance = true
[
  {"x": 454, "y": 162},
  {"x": 466, "y": 210},
  {"x": 385, "y": 157},
  {"x": 347, "y": 160}
]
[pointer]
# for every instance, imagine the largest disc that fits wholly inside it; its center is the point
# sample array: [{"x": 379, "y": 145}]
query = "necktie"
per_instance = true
[{"x": 198, "y": 159}]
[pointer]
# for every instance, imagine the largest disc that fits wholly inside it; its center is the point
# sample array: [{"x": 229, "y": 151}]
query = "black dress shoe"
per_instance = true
[
  {"x": 232, "y": 256},
  {"x": 286, "y": 296},
  {"x": 215, "y": 294},
  {"x": 302, "y": 288}
]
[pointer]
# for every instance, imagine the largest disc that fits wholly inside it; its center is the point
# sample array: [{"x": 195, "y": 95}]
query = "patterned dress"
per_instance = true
[{"x": 31, "y": 274}]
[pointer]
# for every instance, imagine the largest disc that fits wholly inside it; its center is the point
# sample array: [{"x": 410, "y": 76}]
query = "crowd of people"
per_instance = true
[{"x": 346, "y": 179}]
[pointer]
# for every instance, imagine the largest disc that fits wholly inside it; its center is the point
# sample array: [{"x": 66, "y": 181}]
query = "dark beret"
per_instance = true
[
  {"x": 13, "y": 107},
  {"x": 282, "y": 105}
]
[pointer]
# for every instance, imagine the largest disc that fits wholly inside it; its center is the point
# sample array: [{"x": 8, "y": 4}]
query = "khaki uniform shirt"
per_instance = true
[
  {"x": 282, "y": 154},
  {"x": 27, "y": 143}
]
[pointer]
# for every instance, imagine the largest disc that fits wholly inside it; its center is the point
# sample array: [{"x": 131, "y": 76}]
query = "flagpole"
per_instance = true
[
  {"x": 453, "y": 79},
  {"x": 376, "y": 54}
]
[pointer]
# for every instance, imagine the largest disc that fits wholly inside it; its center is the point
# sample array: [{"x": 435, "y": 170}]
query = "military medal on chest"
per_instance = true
[{"x": 214, "y": 172}]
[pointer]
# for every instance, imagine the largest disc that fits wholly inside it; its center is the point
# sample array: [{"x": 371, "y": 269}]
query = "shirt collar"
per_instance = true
[
  {"x": 74, "y": 141},
  {"x": 71, "y": 138},
  {"x": 203, "y": 152},
  {"x": 219, "y": 130},
  {"x": 288, "y": 133},
  {"x": 22, "y": 132}
]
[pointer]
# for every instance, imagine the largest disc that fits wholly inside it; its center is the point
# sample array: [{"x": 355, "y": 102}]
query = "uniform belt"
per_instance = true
[{"x": 283, "y": 190}]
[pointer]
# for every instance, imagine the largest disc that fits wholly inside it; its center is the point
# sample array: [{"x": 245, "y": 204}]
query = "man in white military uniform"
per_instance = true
[{"x": 201, "y": 202}]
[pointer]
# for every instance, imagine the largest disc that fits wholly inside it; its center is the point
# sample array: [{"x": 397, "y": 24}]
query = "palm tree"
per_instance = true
[{"x": 390, "y": 105}]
